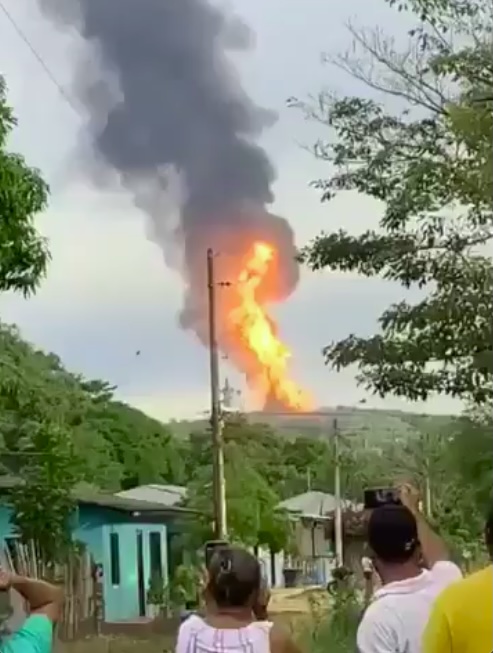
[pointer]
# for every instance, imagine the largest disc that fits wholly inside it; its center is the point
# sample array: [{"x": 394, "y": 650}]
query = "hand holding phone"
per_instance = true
[{"x": 382, "y": 496}]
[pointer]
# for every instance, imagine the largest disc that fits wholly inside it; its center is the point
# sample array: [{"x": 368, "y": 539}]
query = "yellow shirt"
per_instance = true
[{"x": 462, "y": 617}]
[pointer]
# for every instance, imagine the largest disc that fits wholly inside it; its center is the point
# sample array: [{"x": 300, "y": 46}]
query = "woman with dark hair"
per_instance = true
[{"x": 236, "y": 616}]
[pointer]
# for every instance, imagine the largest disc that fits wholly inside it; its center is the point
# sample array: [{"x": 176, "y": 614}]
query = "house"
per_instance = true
[
  {"x": 129, "y": 542},
  {"x": 312, "y": 514}
]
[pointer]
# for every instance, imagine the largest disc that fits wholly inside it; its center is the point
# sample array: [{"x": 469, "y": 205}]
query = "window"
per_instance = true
[
  {"x": 155, "y": 555},
  {"x": 115, "y": 558}
]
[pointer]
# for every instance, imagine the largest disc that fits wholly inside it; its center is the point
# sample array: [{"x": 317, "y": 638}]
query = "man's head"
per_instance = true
[
  {"x": 489, "y": 532},
  {"x": 393, "y": 537}
]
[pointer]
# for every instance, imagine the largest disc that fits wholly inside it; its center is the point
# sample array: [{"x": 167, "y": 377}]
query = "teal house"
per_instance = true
[{"x": 129, "y": 541}]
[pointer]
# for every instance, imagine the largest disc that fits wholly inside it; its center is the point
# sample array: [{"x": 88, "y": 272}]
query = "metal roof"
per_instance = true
[
  {"x": 315, "y": 505},
  {"x": 125, "y": 504},
  {"x": 88, "y": 496},
  {"x": 164, "y": 495}
]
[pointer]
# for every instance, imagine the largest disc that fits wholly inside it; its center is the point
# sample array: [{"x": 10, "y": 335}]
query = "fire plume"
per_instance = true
[{"x": 250, "y": 323}]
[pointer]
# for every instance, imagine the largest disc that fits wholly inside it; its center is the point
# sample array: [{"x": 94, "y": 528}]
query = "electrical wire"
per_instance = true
[{"x": 38, "y": 57}]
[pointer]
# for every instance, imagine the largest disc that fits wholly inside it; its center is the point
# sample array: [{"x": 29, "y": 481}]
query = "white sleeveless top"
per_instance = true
[{"x": 195, "y": 636}]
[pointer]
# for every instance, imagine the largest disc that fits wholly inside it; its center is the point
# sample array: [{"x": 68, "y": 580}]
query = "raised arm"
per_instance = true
[{"x": 42, "y": 597}]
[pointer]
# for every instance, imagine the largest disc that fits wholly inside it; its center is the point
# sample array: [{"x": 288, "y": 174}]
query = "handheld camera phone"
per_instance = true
[
  {"x": 381, "y": 496},
  {"x": 211, "y": 547}
]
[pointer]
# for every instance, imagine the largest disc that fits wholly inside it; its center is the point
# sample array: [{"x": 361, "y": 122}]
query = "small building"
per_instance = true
[
  {"x": 312, "y": 514},
  {"x": 128, "y": 540}
]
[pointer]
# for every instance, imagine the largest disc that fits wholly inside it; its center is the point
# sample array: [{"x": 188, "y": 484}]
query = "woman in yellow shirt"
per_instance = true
[{"x": 462, "y": 617}]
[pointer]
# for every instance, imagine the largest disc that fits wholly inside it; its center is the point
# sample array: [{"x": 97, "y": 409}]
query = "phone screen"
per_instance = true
[{"x": 211, "y": 547}]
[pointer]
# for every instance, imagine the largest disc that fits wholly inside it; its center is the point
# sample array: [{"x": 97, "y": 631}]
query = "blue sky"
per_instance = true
[{"x": 109, "y": 293}]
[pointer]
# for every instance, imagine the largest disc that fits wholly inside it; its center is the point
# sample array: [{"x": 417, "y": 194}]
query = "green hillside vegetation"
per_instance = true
[{"x": 369, "y": 427}]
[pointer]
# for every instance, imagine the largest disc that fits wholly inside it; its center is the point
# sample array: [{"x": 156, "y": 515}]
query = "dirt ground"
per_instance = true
[{"x": 287, "y": 606}]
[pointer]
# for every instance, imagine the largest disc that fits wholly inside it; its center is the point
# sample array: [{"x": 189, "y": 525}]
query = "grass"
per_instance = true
[
  {"x": 155, "y": 644},
  {"x": 326, "y": 628}
]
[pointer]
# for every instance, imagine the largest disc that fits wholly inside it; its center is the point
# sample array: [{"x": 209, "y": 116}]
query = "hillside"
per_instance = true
[{"x": 374, "y": 426}]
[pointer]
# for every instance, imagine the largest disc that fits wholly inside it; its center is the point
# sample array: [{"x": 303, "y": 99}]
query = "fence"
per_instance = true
[{"x": 82, "y": 608}]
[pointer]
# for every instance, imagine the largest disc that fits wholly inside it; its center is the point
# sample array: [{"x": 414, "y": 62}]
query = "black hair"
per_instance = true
[
  {"x": 393, "y": 534},
  {"x": 234, "y": 577},
  {"x": 489, "y": 530}
]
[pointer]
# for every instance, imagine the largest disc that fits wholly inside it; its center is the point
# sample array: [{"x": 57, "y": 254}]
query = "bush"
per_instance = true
[{"x": 333, "y": 625}]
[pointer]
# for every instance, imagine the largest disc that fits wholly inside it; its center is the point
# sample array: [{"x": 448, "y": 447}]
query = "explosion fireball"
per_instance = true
[{"x": 256, "y": 331}]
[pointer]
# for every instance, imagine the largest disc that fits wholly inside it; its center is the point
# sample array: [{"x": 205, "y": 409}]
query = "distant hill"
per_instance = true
[{"x": 374, "y": 426}]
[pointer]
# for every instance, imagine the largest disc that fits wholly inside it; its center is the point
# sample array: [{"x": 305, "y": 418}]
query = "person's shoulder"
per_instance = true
[
  {"x": 189, "y": 626},
  {"x": 380, "y": 609},
  {"x": 34, "y": 636},
  {"x": 445, "y": 572},
  {"x": 380, "y": 623},
  {"x": 472, "y": 584}
]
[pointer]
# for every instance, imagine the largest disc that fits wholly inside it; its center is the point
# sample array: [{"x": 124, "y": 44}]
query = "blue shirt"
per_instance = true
[{"x": 35, "y": 636}]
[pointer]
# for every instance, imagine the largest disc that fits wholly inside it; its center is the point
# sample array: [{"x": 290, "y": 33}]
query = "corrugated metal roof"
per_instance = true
[
  {"x": 116, "y": 501},
  {"x": 315, "y": 504},
  {"x": 126, "y": 504},
  {"x": 164, "y": 495}
]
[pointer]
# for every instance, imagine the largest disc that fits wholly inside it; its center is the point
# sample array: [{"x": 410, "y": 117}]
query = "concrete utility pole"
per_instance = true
[
  {"x": 338, "y": 535},
  {"x": 218, "y": 481}
]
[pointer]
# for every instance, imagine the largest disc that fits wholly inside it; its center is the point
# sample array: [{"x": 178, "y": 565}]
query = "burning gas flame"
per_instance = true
[{"x": 257, "y": 333}]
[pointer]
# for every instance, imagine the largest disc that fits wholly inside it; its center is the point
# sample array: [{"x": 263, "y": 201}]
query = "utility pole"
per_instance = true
[
  {"x": 218, "y": 481},
  {"x": 338, "y": 536}
]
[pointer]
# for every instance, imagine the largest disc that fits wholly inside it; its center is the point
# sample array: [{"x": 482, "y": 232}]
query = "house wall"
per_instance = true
[
  {"x": 6, "y": 528},
  {"x": 312, "y": 540},
  {"x": 93, "y": 525}
]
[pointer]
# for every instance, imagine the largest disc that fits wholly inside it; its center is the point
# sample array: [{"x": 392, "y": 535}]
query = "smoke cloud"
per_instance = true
[{"x": 164, "y": 104}]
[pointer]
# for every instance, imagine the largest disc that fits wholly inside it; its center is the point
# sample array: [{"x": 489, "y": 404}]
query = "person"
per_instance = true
[
  {"x": 44, "y": 604},
  {"x": 399, "y": 539},
  {"x": 462, "y": 618},
  {"x": 236, "y": 619},
  {"x": 368, "y": 576}
]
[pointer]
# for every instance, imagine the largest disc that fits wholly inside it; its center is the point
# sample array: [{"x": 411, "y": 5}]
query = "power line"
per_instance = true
[{"x": 38, "y": 57}]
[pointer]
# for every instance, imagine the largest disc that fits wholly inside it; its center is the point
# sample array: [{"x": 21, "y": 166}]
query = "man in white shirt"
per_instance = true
[{"x": 399, "y": 538}]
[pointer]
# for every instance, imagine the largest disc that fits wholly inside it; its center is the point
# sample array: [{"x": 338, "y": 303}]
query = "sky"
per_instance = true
[{"x": 109, "y": 294}]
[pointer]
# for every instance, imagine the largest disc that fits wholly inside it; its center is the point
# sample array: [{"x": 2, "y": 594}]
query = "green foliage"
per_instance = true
[
  {"x": 261, "y": 469},
  {"x": 430, "y": 164},
  {"x": 23, "y": 194},
  {"x": 43, "y": 504},
  {"x": 332, "y": 625},
  {"x": 57, "y": 430},
  {"x": 183, "y": 586}
]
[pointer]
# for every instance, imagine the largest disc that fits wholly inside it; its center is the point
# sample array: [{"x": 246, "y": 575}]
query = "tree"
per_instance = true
[
  {"x": 252, "y": 515},
  {"x": 23, "y": 194},
  {"x": 37, "y": 399},
  {"x": 430, "y": 163},
  {"x": 44, "y": 502}
]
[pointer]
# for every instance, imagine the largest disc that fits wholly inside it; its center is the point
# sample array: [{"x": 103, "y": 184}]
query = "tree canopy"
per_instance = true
[
  {"x": 23, "y": 194},
  {"x": 422, "y": 147}
]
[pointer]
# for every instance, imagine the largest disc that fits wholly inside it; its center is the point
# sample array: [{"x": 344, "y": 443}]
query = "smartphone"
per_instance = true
[
  {"x": 211, "y": 547},
  {"x": 381, "y": 496}
]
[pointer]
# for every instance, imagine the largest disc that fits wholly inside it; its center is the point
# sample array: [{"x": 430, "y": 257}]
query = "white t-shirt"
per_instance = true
[{"x": 395, "y": 620}]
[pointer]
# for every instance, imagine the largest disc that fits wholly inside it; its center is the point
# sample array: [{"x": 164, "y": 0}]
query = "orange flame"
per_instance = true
[{"x": 257, "y": 332}]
